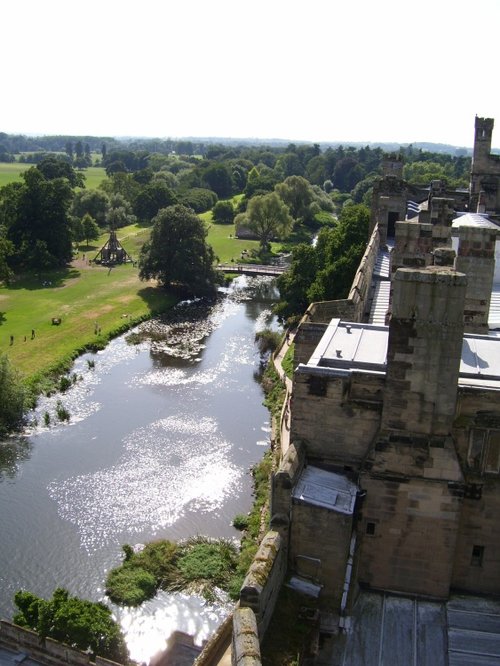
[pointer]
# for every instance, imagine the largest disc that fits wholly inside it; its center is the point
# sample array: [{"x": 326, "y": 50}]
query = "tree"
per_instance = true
[
  {"x": 177, "y": 252},
  {"x": 223, "y": 212},
  {"x": 83, "y": 624},
  {"x": 268, "y": 217},
  {"x": 152, "y": 198},
  {"x": 36, "y": 217},
  {"x": 218, "y": 178},
  {"x": 298, "y": 195},
  {"x": 93, "y": 202},
  {"x": 90, "y": 229},
  {"x": 13, "y": 397},
  {"x": 51, "y": 167},
  {"x": 295, "y": 283},
  {"x": 119, "y": 212},
  {"x": 198, "y": 198},
  {"x": 6, "y": 251}
]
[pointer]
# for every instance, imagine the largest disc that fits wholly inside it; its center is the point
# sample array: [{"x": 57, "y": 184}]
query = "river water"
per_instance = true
[{"x": 161, "y": 438}]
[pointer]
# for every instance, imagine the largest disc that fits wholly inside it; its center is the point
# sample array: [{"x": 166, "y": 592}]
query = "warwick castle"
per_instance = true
[{"x": 388, "y": 487}]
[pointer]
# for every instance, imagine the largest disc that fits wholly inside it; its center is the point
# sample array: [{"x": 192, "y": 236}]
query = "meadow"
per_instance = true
[{"x": 11, "y": 172}]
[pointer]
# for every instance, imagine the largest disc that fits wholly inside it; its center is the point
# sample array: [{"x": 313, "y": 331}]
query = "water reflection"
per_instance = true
[
  {"x": 160, "y": 441},
  {"x": 148, "y": 627},
  {"x": 12, "y": 453}
]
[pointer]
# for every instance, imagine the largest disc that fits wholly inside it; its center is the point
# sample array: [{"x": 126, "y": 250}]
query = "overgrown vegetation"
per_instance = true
[
  {"x": 86, "y": 625},
  {"x": 287, "y": 362},
  {"x": 198, "y": 565}
]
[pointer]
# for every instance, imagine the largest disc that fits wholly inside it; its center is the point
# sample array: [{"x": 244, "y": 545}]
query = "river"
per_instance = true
[{"x": 161, "y": 438}]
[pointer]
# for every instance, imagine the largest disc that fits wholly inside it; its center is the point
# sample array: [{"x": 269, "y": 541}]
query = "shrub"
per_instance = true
[
  {"x": 240, "y": 522},
  {"x": 130, "y": 585},
  {"x": 62, "y": 412},
  {"x": 223, "y": 212}
]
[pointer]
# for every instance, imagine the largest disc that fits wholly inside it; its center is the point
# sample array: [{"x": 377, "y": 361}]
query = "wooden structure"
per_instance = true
[{"x": 112, "y": 252}]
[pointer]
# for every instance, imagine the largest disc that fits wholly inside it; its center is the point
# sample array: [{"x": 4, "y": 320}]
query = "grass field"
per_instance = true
[
  {"x": 11, "y": 171},
  {"x": 79, "y": 296}
]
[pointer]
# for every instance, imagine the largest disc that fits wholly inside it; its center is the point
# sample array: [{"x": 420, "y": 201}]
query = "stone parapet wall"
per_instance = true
[
  {"x": 46, "y": 651},
  {"x": 263, "y": 581},
  {"x": 246, "y": 646},
  {"x": 361, "y": 285}
]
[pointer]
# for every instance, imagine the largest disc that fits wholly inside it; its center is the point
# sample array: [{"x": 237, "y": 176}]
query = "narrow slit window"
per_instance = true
[
  {"x": 477, "y": 556},
  {"x": 370, "y": 529}
]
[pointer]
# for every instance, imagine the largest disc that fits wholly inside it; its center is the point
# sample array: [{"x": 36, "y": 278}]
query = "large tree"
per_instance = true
[
  {"x": 268, "y": 217},
  {"x": 152, "y": 198},
  {"x": 298, "y": 195},
  {"x": 177, "y": 252},
  {"x": 93, "y": 202},
  {"x": 35, "y": 214}
]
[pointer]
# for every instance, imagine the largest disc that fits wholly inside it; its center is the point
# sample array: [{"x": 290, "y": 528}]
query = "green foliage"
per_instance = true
[
  {"x": 212, "y": 562},
  {"x": 130, "y": 585},
  {"x": 83, "y": 624},
  {"x": 267, "y": 341},
  {"x": 90, "y": 230},
  {"x": 298, "y": 195},
  {"x": 152, "y": 198},
  {"x": 61, "y": 411},
  {"x": 198, "y": 198},
  {"x": 223, "y": 212},
  {"x": 178, "y": 252},
  {"x": 13, "y": 396},
  {"x": 35, "y": 216},
  {"x": 325, "y": 272},
  {"x": 198, "y": 564},
  {"x": 240, "y": 521},
  {"x": 267, "y": 216},
  {"x": 288, "y": 361}
]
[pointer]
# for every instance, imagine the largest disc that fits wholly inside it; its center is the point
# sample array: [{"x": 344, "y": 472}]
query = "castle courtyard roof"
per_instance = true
[{"x": 351, "y": 347}]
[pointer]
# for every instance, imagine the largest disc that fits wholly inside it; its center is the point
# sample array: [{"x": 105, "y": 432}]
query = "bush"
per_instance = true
[
  {"x": 130, "y": 585},
  {"x": 223, "y": 212},
  {"x": 198, "y": 198},
  {"x": 240, "y": 522},
  {"x": 267, "y": 341},
  {"x": 83, "y": 624},
  {"x": 13, "y": 396}
]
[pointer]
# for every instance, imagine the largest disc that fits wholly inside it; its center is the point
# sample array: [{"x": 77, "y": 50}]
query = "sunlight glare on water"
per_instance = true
[
  {"x": 174, "y": 463},
  {"x": 145, "y": 628}
]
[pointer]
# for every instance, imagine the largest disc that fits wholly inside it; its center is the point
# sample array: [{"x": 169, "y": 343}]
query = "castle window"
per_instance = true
[
  {"x": 477, "y": 556},
  {"x": 370, "y": 529},
  {"x": 484, "y": 451}
]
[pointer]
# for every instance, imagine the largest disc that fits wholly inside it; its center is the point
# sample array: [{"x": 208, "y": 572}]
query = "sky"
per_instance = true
[{"x": 308, "y": 70}]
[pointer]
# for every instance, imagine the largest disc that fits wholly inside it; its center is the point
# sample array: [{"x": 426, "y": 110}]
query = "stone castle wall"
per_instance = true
[{"x": 46, "y": 651}]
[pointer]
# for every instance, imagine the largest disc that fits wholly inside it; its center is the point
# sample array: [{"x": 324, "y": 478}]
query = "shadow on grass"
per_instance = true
[
  {"x": 44, "y": 280},
  {"x": 158, "y": 299},
  {"x": 3, "y": 318}
]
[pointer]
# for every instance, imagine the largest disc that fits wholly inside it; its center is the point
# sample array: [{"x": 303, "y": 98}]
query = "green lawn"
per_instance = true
[
  {"x": 80, "y": 296},
  {"x": 11, "y": 171},
  {"x": 93, "y": 177}
]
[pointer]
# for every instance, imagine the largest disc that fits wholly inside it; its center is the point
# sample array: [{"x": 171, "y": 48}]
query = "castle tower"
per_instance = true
[
  {"x": 483, "y": 132},
  {"x": 485, "y": 171},
  {"x": 424, "y": 352}
]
